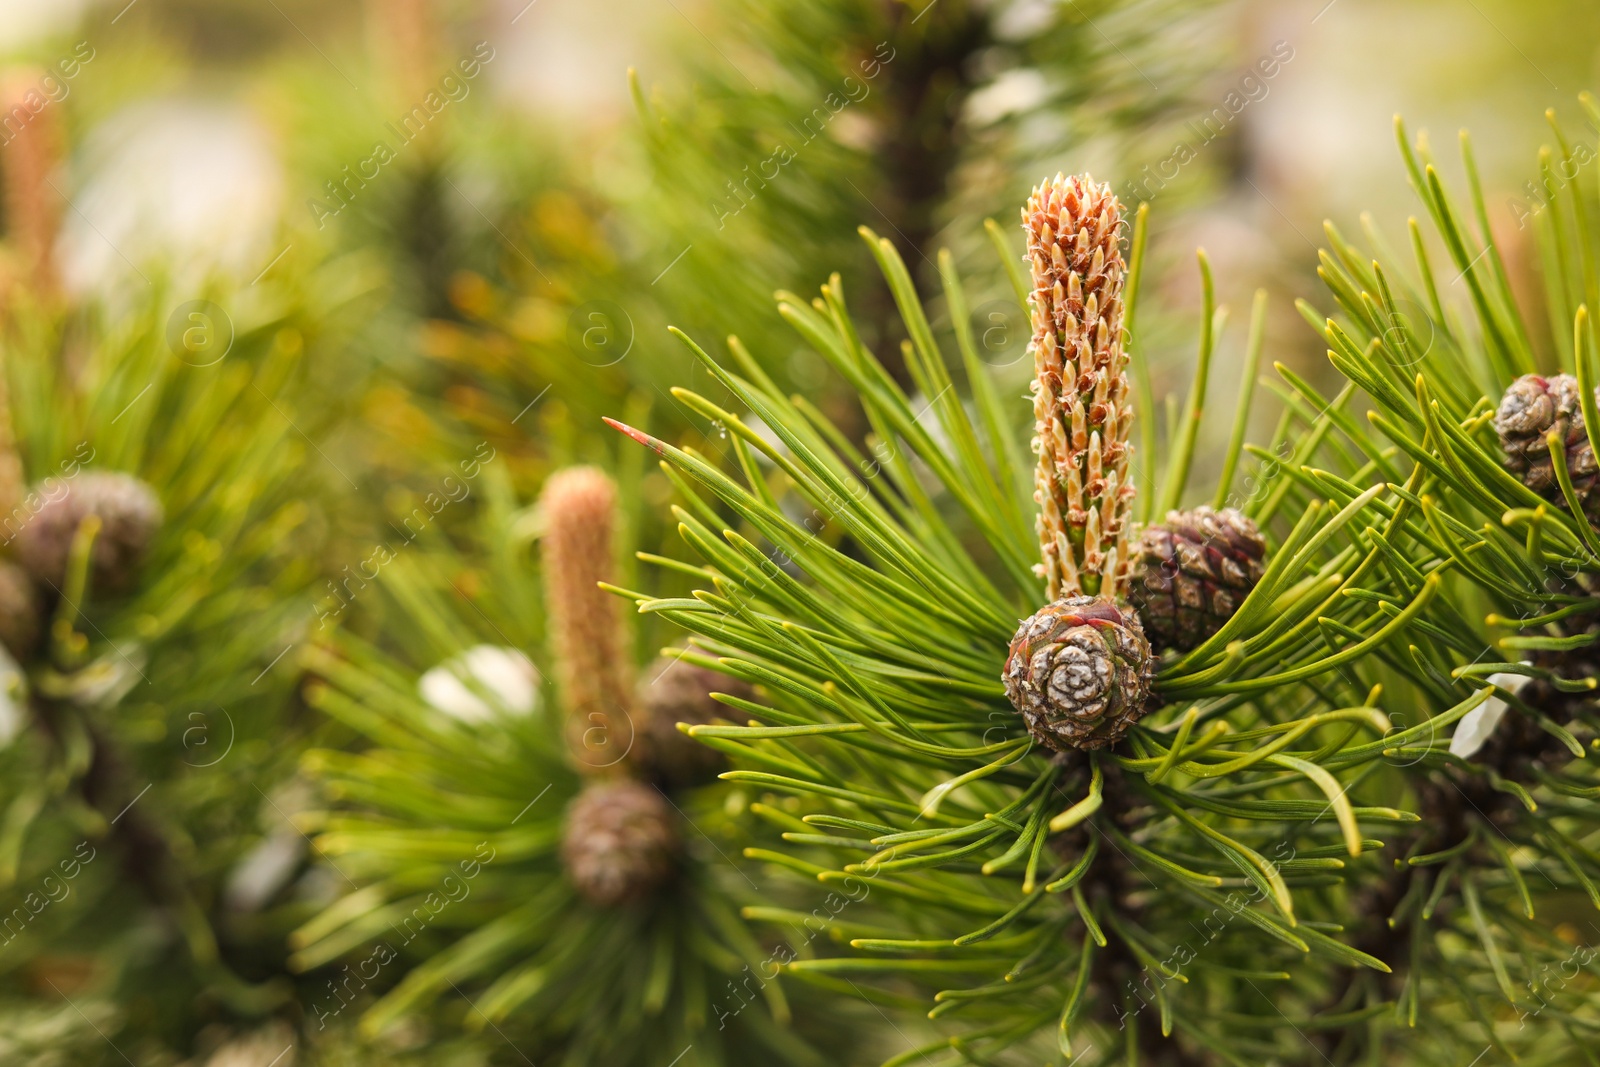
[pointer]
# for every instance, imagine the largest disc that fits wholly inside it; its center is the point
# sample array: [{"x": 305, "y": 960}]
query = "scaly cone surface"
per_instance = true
[
  {"x": 129, "y": 511},
  {"x": 674, "y": 690},
  {"x": 580, "y": 512},
  {"x": 620, "y": 841},
  {"x": 1079, "y": 673},
  {"x": 1532, "y": 408},
  {"x": 1082, "y": 414},
  {"x": 1191, "y": 573}
]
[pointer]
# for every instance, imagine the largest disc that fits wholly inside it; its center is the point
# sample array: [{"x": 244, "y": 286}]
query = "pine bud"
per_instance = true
[
  {"x": 31, "y": 157},
  {"x": 408, "y": 37},
  {"x": 1531, "y": 409},
  {"x": 21, "y": 614},
  {"x": 620, "y": 842},
  {"x": 1082, "y": 415},
  {"x": 129, "y": 512},
  {"x": 12, "y": 479},
  {"x": 1191, "y": 573},
  {"x": 1079, "y": 672},
  {"x": 580, "y": 506},
  {"x": 674, "y": 691}
]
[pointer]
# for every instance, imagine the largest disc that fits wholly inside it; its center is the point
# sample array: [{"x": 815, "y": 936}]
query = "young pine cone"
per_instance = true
[
  {"x": 1079, "y": 672},
  {"x": 674, "y": 691},
  {"x": 587, "y": 638},
  {"x": 129, "y": 512},
  {"x": 1191, "y": 573},
  {"x": 620, "y": 841},
  {"x": 1081, "y": 398},
  {"x": 1531, "y": 408},
  {"x": 34, "y": 153}
]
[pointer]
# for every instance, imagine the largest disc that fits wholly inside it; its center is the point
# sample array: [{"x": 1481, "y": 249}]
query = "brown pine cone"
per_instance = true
[
  {"x": 21, "y": 614},
  {"x": 130, "y": 514},
  {"x": 1079, "y": 672},
  {"x": 1531, "y": 408},
  {"x": 673, "y": 691},
  {"x": 620, "y": 841},
  {"x": 1191, "y": 573}
]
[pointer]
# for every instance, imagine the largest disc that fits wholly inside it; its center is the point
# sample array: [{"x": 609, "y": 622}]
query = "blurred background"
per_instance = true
[
  {"x": 486, "y": 213},
  {"x": 211, "y": 136}
]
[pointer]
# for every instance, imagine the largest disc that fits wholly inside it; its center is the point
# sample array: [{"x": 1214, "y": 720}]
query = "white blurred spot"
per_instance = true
[
  {"x": 1476, "y": 725},
  {"x": 272, "y": 1046},
  {"x": 1013, "y": 92},
  {"x": 568, "y": 59},
  {"x": 1025, "y": 18},
  {"x": 194, "y": 187},
  {"x": 264, "y": 870},
  {"x": 260, "y": 873},
  {"x": 766, "y": 433},
  {"x": 458, "y": 686},
  {"x": 23, "y": 22},
  {"x": 13, "y": 699}
]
